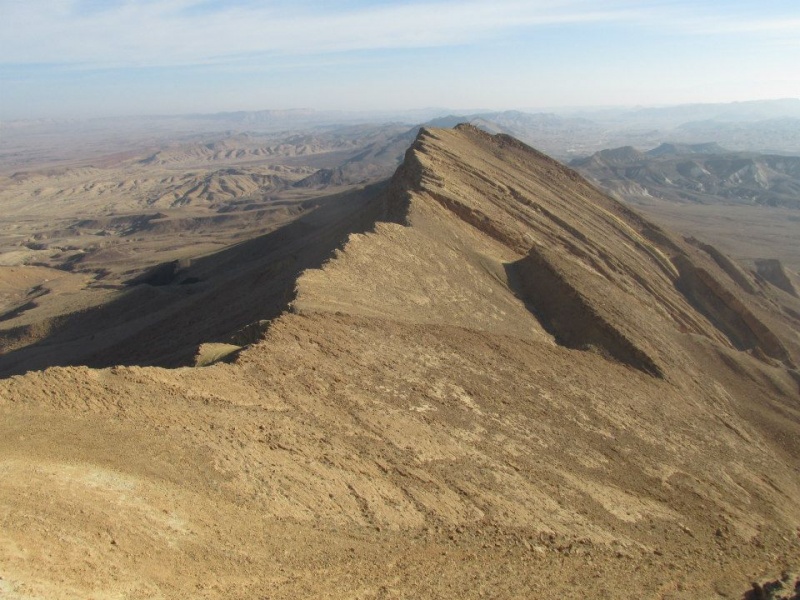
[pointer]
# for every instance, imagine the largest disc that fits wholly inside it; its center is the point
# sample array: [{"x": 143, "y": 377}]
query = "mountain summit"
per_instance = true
[{"x": 508, "y": 384}]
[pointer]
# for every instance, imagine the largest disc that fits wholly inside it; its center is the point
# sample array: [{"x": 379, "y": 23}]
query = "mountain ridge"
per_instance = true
[{"x": 504, "y": 383}]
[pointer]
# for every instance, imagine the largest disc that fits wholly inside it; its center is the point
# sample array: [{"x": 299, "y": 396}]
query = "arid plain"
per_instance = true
[{"x": 280, "y": 365}]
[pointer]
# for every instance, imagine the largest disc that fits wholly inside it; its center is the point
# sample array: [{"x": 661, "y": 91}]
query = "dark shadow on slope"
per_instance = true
[
  {"x": 162, "y": 320},
  {"x": 165, "y": 274},
  {"x": 785, "y": 588},
  {"x": 36, "y": 292},
  {"x": 568, "y": 316},
  {"x": 729, "y": 267},
  {"x": 16, "y": 312},
  {"x": 727, "y": 313},
  {"x": 772, "y": 270}
]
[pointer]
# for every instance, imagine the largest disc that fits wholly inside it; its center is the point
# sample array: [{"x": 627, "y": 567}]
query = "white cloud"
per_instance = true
[
  {"x": 731, "y": 25},
  {"x": 145, "y": 33},
  {"x": 175, "y": 32}
]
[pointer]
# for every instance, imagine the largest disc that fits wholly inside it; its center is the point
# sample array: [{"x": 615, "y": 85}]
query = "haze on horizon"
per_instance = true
[{"x": 83, "y": 58}]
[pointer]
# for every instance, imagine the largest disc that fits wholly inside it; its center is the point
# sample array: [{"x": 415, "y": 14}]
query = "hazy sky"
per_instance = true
[{"x": 107, "y": 57}]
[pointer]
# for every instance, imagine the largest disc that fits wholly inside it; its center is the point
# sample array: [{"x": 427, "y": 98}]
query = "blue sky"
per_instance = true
[{"x": 78, "y": 58}]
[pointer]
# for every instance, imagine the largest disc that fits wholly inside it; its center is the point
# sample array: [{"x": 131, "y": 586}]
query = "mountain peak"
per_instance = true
[{"x": 519, "y": 218}]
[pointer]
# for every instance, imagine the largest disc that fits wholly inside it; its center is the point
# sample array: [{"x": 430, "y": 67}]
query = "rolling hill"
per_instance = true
[{"x": 697, "y": 173}]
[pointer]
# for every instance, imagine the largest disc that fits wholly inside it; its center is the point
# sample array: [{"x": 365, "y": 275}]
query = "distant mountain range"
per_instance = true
[
  {"x": 751, "y": 111},
  {"x": 700, "y": 173},
  {"x": 771, "y": 126},
  {"x": 768, "y": 126}
]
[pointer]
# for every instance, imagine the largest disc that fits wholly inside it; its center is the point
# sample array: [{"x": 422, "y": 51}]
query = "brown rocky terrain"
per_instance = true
[
  {"x": 84, "y": 216},
  {"x": 484, "y": 378},
  {"x": 697, "y": 173}
]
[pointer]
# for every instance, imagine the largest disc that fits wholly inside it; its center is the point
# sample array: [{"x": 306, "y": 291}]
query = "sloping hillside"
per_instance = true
[
  {"x": 505, "y": 385},
  {"x": 698, "y": 173}
]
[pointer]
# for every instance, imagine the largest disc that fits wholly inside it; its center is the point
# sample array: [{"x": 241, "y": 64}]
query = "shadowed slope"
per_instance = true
[{"x": 172, "y": 309}]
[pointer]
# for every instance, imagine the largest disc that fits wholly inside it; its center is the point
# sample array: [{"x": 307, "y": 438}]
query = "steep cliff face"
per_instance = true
[
  {"x": 509, "y": 385},
  {"x": 773, "y": 271}
]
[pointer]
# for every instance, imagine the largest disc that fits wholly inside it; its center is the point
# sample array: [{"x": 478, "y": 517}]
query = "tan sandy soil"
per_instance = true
[{"x": 746, "y": 233}]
